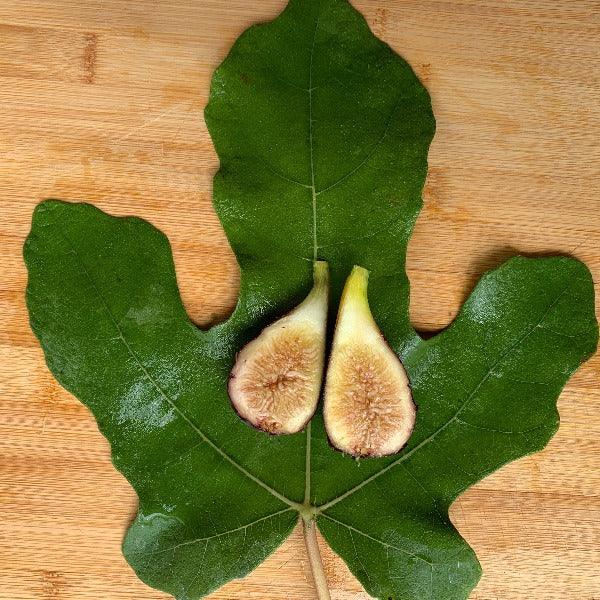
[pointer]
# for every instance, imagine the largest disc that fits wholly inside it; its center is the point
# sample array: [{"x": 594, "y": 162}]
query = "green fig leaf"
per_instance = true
[{"x": 322, "y": 132}]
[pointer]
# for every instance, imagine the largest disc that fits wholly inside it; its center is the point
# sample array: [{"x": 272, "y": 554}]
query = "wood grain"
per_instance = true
[{"x": 102, "y": 101}]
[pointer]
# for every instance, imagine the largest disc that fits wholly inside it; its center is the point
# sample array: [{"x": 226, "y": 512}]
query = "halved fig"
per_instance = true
[
  {"x": 276, "y": 380},
  {"x": 368, "y": 407}
]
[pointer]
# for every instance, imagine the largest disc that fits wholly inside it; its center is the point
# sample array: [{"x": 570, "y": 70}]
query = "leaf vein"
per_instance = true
[
  {"x": 504, "y": 431},
  {"x": 367, "y": 157},
  {"x": 162, "y": 393},
  {"x": 374, "y": 539},
  {"x": 198, "y": 572},
  {"x": 214, "y": 536},
  {"x": 431, "y": 437}
]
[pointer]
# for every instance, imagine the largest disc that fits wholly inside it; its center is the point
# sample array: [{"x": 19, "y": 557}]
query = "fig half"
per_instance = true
[
  {"x": 276, "y": 380},
  {"x": 368, "y": 407}
]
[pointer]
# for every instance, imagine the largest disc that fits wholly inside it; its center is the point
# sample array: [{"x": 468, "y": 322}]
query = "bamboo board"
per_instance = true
[{"x": 102, "y": 101}]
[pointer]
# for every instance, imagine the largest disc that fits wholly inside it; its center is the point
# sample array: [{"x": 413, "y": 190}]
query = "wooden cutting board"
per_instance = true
[{"x": 102, "y": 100}]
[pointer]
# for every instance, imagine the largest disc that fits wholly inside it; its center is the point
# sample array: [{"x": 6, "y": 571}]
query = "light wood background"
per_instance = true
[{"x": 102, "y": 100}]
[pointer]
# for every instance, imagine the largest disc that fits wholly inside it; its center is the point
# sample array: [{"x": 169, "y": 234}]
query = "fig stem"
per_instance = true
[{"x": 314, "y": 558}]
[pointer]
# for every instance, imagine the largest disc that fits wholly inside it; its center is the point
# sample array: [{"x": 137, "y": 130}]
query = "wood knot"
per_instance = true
[
  {"x": 380, "y": 22},
  {"x": 89, "y": 57},
  {"x": 53, "y": 584}
]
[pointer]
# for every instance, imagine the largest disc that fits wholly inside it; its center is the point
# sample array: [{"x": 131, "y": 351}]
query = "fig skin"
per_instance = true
[
  {"x": 368, "y": 407},
  {"x": 276, "y": 381}
]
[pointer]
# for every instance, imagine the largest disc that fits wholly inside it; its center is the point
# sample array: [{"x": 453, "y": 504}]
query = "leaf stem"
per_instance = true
[{"x": 314, "y": 558}]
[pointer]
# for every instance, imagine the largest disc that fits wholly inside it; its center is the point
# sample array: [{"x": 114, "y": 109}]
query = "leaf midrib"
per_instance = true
[{"x": 307, "y": 455}]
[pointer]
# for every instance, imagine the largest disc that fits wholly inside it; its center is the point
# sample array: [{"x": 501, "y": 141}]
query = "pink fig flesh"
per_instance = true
[
  {"x": 276, "y": 380},
  {"x": 368, "y": 407}
]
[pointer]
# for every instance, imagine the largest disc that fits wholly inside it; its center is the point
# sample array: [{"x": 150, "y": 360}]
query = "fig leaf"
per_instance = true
[{"x": 323, "y": 132}]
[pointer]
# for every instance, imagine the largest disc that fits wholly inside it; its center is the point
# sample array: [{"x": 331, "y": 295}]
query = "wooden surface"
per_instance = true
[{"x": 102, "y": 101}]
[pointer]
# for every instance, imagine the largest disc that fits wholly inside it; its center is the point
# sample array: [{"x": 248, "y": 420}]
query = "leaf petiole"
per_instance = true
[{"x": 314, "y": 559}]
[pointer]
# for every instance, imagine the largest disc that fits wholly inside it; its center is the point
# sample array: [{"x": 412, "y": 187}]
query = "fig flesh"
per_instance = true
[
  {"x": 276, "y": 380},
  {"x": 368, "y": 407}
]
